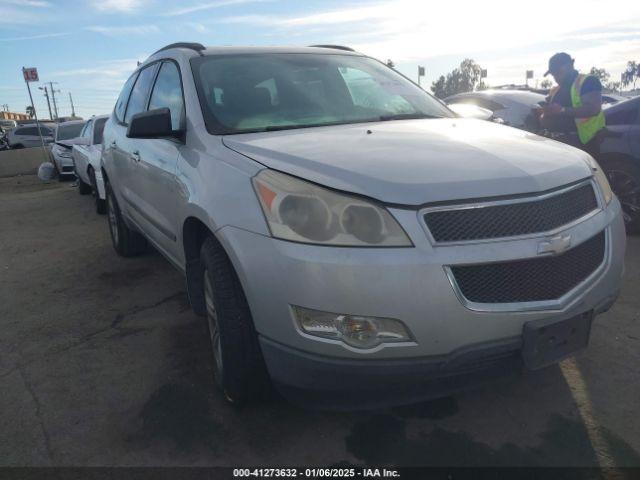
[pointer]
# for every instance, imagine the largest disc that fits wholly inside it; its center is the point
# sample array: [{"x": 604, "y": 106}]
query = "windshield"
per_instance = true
[
  {"x": 249, "y": 93},
  {"x": 67, "y": 132}
]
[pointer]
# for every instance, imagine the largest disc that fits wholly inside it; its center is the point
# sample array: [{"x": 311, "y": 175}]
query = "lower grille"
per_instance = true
[{"x": 531, "y": 280}]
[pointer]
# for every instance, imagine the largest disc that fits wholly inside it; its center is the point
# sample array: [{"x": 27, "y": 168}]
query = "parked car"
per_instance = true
[
  {"x": 468, "y": 110},
  {"x": 515, "y": 107},
  {"x": 620, "y": 157},
  {"x": 356, "y": 253},
  {"x": 7, "y": 125},
  {"x": 66, "y": 134},
  {"x": 27, "y": 136},
  {"x": 87, "y": 153},
  {"x": 609, "y": 99}
]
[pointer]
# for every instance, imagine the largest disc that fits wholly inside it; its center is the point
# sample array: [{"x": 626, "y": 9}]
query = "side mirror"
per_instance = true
[{"x": 151, "y": 124}]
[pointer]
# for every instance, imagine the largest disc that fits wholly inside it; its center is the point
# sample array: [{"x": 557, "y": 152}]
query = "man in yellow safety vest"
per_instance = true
[{"x": 574, "y": 105}]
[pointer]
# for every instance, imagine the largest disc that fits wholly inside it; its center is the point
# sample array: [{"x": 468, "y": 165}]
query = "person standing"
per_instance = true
[{"x": 574, "y": 105}]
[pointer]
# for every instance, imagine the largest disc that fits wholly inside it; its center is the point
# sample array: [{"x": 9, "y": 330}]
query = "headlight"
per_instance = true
[
  {"x": 303, "y": 212},
  {"x": 61, "y": 151},
  {"x": 355, "y": 330},
  {"x": 601, "y": 179}
]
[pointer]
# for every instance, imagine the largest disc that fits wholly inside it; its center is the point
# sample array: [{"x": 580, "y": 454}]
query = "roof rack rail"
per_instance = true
[
  {"x": 198, "y": 47},
  {"x": 335, "y": 47}
]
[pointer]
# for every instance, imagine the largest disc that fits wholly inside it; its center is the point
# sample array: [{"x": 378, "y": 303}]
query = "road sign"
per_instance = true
[
  {"x": 483, "y": 73},
  {"x": 420, "y": 71},
  {"x": 30, "y": 74},
  {"x": 529, "y": 74}
]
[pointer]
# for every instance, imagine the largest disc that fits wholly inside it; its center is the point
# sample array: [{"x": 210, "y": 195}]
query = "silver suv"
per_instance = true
[{"x": 348, "y": 238}]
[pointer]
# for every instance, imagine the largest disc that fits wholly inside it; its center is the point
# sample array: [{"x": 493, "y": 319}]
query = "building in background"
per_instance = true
[{"x": 13, "y": 116}]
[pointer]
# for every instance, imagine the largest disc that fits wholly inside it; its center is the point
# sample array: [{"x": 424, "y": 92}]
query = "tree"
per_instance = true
[
  {"x": 390, "y": 63},
  {"x": 30, "y": 111},
  {"x": 601, "y": 74},
  {"x": 465, "y": 78},
  {"x": 546, "y": 83},
  {"x": 631, "y": 74}
]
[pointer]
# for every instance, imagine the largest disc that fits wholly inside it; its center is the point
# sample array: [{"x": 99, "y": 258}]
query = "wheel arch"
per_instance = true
[{"x": 194, "y": 232}]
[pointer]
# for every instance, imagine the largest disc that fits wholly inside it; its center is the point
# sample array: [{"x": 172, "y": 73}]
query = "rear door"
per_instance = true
[{"x": 154, "y": 184}]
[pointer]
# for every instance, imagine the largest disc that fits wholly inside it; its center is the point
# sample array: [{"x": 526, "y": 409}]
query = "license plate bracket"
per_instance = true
[{"x": 546, "y": 342}]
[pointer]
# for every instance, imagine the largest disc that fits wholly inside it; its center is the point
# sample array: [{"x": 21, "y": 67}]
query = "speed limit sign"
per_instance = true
[{"x": 30, "y": 74}]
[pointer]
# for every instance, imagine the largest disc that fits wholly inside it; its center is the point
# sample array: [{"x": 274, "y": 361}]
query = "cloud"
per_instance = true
[
  {"x": 34, "y": 37},
  {"x": 14, "y": 12},
  {"x": 116, "y": 31},
  {"x": 118, "y": 6},
  {"x": 26, "y": 3},
  {"x": 208, "y": 6}
]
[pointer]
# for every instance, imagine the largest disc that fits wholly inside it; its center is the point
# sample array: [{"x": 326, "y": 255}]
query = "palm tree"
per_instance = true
[{"x": 631, "y": 74}]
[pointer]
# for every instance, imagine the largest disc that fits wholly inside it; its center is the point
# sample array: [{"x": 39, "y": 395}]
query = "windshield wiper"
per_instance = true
[{"x": 405, "y": 116}]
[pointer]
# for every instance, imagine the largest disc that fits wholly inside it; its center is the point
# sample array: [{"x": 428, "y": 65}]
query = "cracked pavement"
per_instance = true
[{"x": 103, "y": 363}]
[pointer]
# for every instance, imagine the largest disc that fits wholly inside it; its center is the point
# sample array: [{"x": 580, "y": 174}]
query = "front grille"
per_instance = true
[
  {"x": 531, "y": 280},
  {"x": 511, "y": 219}
]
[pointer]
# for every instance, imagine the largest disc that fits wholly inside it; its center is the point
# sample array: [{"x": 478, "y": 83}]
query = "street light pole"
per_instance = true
[
  {"x": 53, "y": 98},
  {"x": 73, "y": 111},
  {"x": 46, "y": 95}
]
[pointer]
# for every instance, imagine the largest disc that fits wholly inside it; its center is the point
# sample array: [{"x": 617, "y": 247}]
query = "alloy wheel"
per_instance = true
[
  {"x": 113, "y": 219},
  {"x": 214, "y": 329}
]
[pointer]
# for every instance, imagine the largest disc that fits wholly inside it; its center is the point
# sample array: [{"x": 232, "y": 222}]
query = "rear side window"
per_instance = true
[
  {"x": 121, "y": 103},
  {"x": 27, "y": 131},
  {"x": 167, "y": 92},
  {"x": 86, "y": 132},
  {"x": 139, "y": 93}
]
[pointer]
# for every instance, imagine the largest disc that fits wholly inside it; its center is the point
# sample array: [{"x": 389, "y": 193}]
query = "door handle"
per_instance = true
[
  {"x": 114, "y": 144},
  {"x": 136, "y": 156}
]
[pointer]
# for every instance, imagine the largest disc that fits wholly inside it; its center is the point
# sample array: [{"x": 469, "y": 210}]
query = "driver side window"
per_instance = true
[{"x": 167, "y": 92}]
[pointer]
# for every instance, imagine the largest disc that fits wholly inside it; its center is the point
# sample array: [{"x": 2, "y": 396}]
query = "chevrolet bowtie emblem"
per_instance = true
[{"x": 555, "y": 245}]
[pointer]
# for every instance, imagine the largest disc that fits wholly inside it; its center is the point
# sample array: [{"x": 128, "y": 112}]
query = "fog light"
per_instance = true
[{"x": 355, "y": 330}]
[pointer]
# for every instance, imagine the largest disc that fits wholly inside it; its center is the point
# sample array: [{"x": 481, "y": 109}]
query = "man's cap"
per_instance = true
[{"x": 557, "y": 61}]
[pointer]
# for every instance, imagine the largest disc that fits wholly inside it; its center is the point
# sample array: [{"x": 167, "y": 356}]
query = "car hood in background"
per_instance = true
[{"x": 413, "y": 162}]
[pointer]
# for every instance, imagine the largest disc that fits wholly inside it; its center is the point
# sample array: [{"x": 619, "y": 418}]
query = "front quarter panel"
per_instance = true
[{"x": 215, "y": 186}]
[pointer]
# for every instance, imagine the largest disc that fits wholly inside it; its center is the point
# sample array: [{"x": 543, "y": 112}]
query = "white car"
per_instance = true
[
  {"x": 26, "y": 136},
  {"x": 86, "y": 153},
  {"x": 65, "y": 136}
]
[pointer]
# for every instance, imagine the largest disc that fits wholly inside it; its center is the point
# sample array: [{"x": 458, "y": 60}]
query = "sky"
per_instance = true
[{"x": 90, "y": 47}]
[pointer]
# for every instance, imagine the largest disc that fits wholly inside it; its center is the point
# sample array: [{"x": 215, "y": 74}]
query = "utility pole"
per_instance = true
[
  {"x": 73, "y": 112},
  {"x": 46, "y": 95},
  {"x": 53, "y": 98}
]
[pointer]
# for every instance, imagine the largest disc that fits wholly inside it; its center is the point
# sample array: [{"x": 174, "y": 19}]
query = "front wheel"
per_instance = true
[
  {"x": 126, "y": 242},
  {"x": 101, "y": 205},
  {"x": 83, "y": 188},
  {"x": 239, "y": 369}
]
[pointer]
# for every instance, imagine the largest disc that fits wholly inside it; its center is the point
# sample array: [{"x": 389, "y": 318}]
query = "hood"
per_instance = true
[
  {"x": 67, "y": 143},
  {"x": 414, "y": 162}
]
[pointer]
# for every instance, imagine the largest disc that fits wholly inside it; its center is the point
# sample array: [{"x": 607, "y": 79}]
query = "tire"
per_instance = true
[
  {"x": 83, "y": 188},
  {"x": 126, "y": 242},
  {"x": 624, "y": 177},
  {"x": 239, "y": 369},
  {"x": 101, "y": 205}
]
